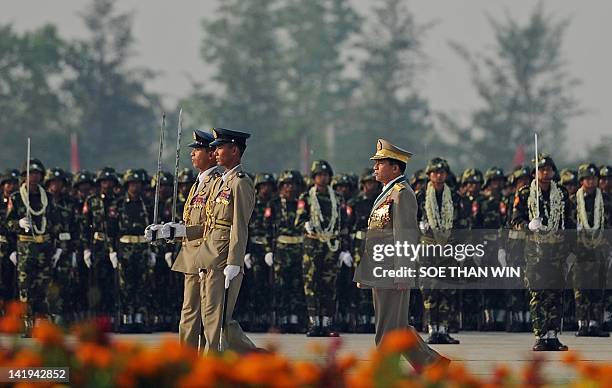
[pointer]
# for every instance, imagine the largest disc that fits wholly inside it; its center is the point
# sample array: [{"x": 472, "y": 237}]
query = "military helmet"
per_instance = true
[
  {"x": 522, "y": 172},
  {"x": 451, "y": 180},
  {"x": 587, "y": 170},
  {"x": 107, "y": 173},
  {"x": 264, "y": 177},
  {"x": 186, "y": 175},
  {"x": 471, "y": 175},
  {"x": 437, "y": 164},
  {"x": 165, "y": 179},
  {"x": 144, "y": 176},
  {"x": 342, "y": 180},
  {"x": 287, "y": 176},
  {"x": 545, "y": 160},
  {"x": 568, "y": 177},
  {"x": 35, "y": 166},
  {"x": 132, "y": 175},
  {"x": 492, "y": 174},
  {"x": 82, "y": 176},
  {"x": 9, "y": 175},
  {"x": 55, "y": 173},
  {"x": 367, "y": 175},
  {"x": 319, "y": 166},
  {"x": 418, "y": 176},
  {"x": 605, "y": 171}
]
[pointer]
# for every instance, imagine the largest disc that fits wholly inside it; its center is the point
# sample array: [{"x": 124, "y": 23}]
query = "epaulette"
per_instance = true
[
  {"x": 398, "y": 187},
  {"x": 241, "y": 174}
]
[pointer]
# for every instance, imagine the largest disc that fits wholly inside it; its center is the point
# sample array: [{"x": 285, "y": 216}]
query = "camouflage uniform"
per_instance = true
[
  {"x": 545, "y": 253},
  {"x": 589, "y": 270},
  {"x": 605, "y": 185},
  {"x": 287, "y": 243},
  {"x": 34, "y": 248},
  {"x": 8, "y": 283},
  {"x": 321, "y": 252}
]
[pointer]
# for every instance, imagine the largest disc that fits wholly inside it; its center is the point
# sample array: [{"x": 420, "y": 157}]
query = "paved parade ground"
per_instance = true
[{"x": 479, "y": 351}]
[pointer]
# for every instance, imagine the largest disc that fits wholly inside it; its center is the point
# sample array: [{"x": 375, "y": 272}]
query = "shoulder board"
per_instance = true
[
  {"x": 241, "y": 174},
  {"x": 398, "y": 187}
]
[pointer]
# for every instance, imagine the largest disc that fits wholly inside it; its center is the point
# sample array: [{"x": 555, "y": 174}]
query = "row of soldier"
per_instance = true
[{"x": 88, "y": 256}]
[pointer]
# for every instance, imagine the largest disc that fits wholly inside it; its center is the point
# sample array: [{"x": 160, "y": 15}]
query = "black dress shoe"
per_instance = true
[
  {"x": 448, "y": 339},
  {"x": 583, "y": 331},
  {"x": 330, "y": 332},
  {"x": 596, "y": 331},
  {"x": 315, "y": 331},
  {"x": 554, "y": 345},
  {"x": 435, "y": 339},
  {"x": 540, "y": 345}
]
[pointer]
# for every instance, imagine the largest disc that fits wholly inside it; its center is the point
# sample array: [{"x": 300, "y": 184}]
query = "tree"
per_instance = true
[
  {"x": 242, "y": 43},
  {"x": 30, "y": 103},
  {"x": 117, "y": 120},
  {"x": 525, "y": 88},
  {"x": 388, "y": 103}
]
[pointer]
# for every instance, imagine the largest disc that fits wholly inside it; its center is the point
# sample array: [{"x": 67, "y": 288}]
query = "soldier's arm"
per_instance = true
[
  {"x": 268, "y": 228},
  {"x": 244, "y": 201},
  {"x": 14, "y": 214},
  {"x": 405, "y": 225},
  {"x": 303, "y": 213},
  {"x": 520, "y": 213}
]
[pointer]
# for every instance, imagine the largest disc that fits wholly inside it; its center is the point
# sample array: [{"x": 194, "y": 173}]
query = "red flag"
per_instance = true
[
  {"x": 75, "y": 164},
  {"x": 519, "y": 156}
]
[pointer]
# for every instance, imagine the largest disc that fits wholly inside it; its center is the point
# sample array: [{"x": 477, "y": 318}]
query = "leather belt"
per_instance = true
[
  {"x": 259, "y": 240},
  {"x": 99, "y": 236},
  {"x": 65, "y": 236},
  {"x": 545, "y": 238},
  {"x": 516, "y": 234},
  {"x": 283, "y": 239},
  {"x": 132, "y": 239},
  {"x": 37, "y": 239},
  {"x": 361, "y": 234},
  {"x": 3, "y": 239}
]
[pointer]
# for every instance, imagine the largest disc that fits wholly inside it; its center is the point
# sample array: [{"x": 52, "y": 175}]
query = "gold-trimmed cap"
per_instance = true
[{"x": 386, "y": 150}]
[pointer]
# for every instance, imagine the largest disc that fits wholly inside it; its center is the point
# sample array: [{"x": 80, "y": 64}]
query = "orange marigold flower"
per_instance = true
[
  {"x": 25, "y": 359},
  {"x": 434, "y": 373},
  {"x": 15, "y": 309},
  {"x": 47, "y": 333},
  {"x": 306, "y": 373},
  {"x": 398, "y": 341},
  {"x": 95, "y": 355},
  {"x": 570, "y": 357},
  {"x": 11, "y": 324},
  {"x": 347, "y": 362}
]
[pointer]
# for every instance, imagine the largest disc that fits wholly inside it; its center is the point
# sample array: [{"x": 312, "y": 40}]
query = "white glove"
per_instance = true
[
  {"x": 230, "y": 272},
  {"x": 201, "y": 274},
  {"x": 56, "y": 256},
  {"x": 308, "y": 227},
  {"x": 13, "y": 258},
  {"x": 424, "y": 226},
  {"x": 180, "y": 230},
  {"x": 87, "y": 257},
  {"x": 247, "y": 261},
  {"x": 74, "y": 260},
  {"x": 24, "y": 223},
  {"x": 501, "y": 257},
  {"x": 113, "y": 259},
  {"x": 269, "y": 259},
  {"x": 148, "y": 232},
  {"x": 346, "y": 259},
  {"x": 152, "y": 259},
  {"x": 168, "y": 258},
  {"x": 579, "y": 227},
  {"x": 535, "y": 224}
]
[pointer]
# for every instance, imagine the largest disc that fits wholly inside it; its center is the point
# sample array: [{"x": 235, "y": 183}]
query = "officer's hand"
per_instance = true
[
  {"x": 247, "y": 261},
  {"x": 74, "y": 260},
  {"x": 24, "y": 223},
  {"x": 152, "y": 259},
  {"x": 269, "y": 259},
  {"x": 180, "y": 230},
  {"x": 168, "y": 258},
  {"x": 230, "y": 272},
  {"x": 424, "y": 226},
  {"x": 201, "y": 274},
  {"x": 56, "y": 256},
  {"x": 87, "y": 257},
  {"x": 501, "y": 257},
  {"x": 13, "y": 258},
  {"x": 346, "y": 259},
  {"x": 113, "y": 259},
  {"x": 535, "y": 224},
  {"x": 308, "y": 227},
  {"x": 148, "y": 232}
]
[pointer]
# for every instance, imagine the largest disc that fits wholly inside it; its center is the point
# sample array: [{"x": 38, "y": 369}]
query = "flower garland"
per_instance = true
[
  {"x": 583, "y": 219},
  {"x": 316, "y": 218},
  {"x": 436, "y": 219},
  {"x": 554, "y": 213},
  {"x": 44, "y": 203}
]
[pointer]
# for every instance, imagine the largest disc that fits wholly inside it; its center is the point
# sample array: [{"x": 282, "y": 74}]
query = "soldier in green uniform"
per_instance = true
[
  {"x": 129, "y": 215},
  {"x": 592, "y": 216},
  {"x": 543, "y": 209},
  {"x": 30, "y": 218},
  {"x": 418, "y": 180},
  {"x": 320, "y": 217},
  {"x": 605, "y": 185},
  {"x": 361, "y": 206},
  {"x": 83, "y": 185},
  {"x": 569, "y": 180},
  {"x": 61, "y": 302},
  {"x": 8, "y": 247},
  {"x": 257, "y": 281},
  {"x": 286, "y": 246},
  {"x": 440, "y": 211}
]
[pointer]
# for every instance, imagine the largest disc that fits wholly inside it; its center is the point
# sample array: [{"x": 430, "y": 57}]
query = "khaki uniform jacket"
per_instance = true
[
  {"x": 229, "y": 207},
  {"x": 393, "y": 219},
  {"x": 194, "y": 218}
]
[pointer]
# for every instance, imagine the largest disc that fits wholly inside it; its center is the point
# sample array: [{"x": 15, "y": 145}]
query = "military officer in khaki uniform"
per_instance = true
[
  {"x": 191, "y": 233},
  {"x": 393, "y": 219},
  {"x": 221, "y": 254}
]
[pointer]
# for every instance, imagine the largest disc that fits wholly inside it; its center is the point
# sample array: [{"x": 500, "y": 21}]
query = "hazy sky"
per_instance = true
[{"x": 168, "y": 35}]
